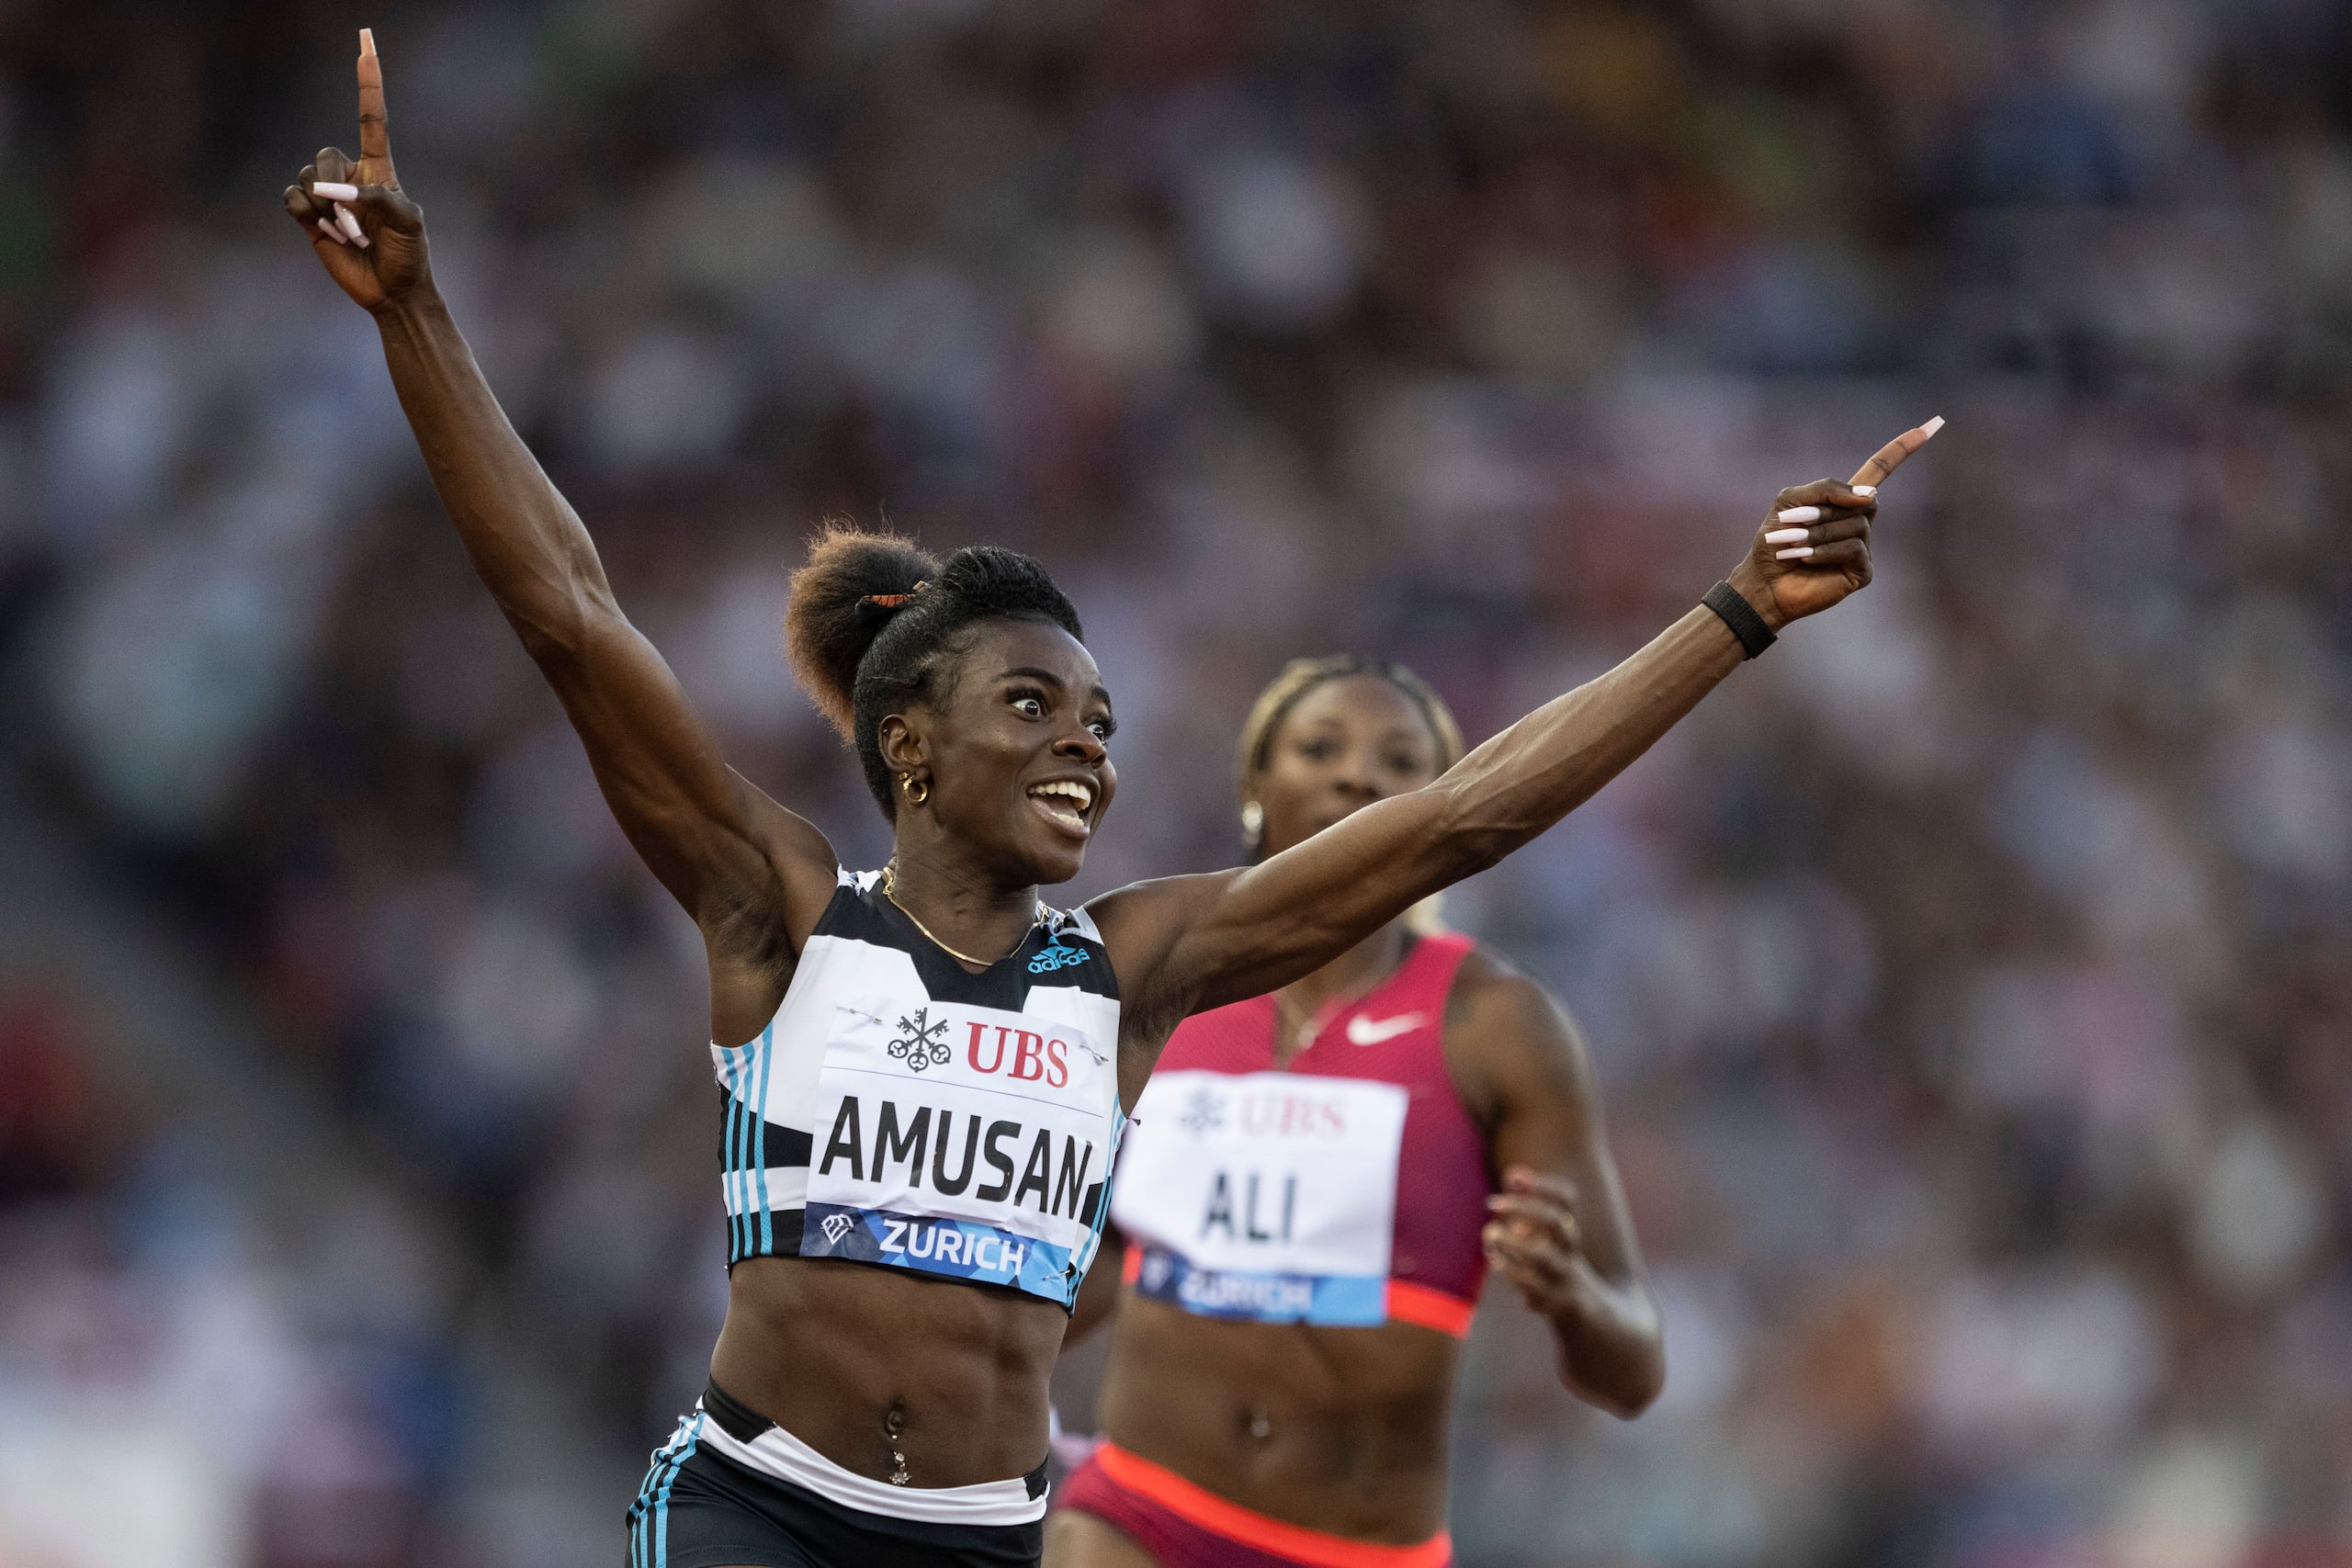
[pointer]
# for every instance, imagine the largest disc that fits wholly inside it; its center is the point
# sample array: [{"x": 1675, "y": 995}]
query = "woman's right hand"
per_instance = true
[{"x": 387, "y": 262}]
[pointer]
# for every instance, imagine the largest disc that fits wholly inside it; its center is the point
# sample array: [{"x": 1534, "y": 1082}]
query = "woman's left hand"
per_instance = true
[
  {"x": 1533, "y": 1240},
  {"x": 1814, "y": 548}
]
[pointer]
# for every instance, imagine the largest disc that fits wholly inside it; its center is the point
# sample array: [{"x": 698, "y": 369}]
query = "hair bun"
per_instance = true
[{"x": 853, "y": 584}]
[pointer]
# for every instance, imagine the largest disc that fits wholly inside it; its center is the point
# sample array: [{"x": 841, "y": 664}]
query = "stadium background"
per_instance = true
[{"x": 1971, "y": 981}]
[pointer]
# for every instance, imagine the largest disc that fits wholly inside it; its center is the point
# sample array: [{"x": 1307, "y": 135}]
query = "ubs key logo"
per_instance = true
[
  {"x": 923, "y": 1044},
  {"x": 1203, "y": 1113}
]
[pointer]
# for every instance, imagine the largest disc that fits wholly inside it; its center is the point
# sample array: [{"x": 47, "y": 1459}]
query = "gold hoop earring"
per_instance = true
[
  {"x": 1254, "y": 820},
  {"x": 918, "y": 791}
]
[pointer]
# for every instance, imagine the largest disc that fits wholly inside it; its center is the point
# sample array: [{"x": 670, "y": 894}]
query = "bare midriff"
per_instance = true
[
  {"x": 1342, "y": 1431},
  {"x": 830, "y": 1350}
]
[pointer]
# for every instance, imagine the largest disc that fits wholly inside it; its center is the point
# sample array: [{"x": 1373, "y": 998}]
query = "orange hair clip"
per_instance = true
[{"x": 895, "y": 601}]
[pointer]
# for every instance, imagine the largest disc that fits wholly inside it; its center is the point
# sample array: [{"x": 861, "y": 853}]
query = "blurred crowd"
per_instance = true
[
  {"x": 1971, "y": 980},
  {"x": 175, "y": 1390}
]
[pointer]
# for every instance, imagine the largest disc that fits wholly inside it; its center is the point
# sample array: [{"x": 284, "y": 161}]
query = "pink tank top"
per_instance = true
[{"x": 1393, "y": 1034}]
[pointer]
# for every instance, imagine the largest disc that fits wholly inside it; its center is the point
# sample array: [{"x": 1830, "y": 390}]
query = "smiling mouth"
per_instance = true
[{"x": 1065, "y": 803}]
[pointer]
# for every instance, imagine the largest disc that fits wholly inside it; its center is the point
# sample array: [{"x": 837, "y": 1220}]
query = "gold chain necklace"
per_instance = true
[
  {"x": 1303, "y": 1028},
  {"x": 1300, "y": 1032},
  {"x": 890, "y": 891}
]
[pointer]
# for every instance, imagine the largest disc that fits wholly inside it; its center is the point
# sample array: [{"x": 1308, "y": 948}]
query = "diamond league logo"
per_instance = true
[
  {"x": 1156, "y": 1267},
  {"x": 836, "y": 1226}
]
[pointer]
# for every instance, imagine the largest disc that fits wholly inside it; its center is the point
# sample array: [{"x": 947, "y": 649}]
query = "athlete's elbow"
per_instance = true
[
  {"x": 1629, "y": 1390},
  {"x": 1471, "y": 840},
  {"x": 1641, "y": 1390},
  {"x": 559, "y": 626},
  {"x": 1482, "y": 852},
  {"x": 1620, "y": 1372},
  {"x": 551, "y": 641}
]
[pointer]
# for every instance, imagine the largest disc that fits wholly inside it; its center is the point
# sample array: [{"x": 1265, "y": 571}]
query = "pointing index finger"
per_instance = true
[
  {"x": 375, "y": 139},
  {"x": 1890, "y": 457}
]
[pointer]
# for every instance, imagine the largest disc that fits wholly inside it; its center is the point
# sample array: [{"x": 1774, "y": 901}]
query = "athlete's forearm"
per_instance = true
[
  {"x": 1524, "y": 780},
  {"x": 1612, "y": 1347},
  {"x": 1267, "y": 925},
  {"x": 526, "y": 544}
]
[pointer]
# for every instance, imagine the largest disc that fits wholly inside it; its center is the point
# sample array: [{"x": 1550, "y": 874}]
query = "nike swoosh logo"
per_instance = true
[{"x": 1362, "y": 1031}]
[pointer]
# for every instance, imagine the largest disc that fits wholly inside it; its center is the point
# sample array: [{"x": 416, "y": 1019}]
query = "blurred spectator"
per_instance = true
[{"x": 169, "y": 1393}]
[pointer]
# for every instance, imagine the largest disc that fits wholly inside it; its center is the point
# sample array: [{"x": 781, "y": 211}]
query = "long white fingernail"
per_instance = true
[
  {"x": 332, "y": 232},
  {"x": 350, "y": 225},
  {"x": 1933, "y": 425},
  {"x": 1800, "y": 514},
  {"x": 332, "y": 190},
  {"x": 1798, "y": 554},
  {"x": 1787, "y": 535},
  {"x": 1866, "y": 492}
]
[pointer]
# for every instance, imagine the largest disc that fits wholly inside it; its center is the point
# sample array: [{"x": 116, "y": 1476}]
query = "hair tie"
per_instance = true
[{"x": 893, "y": 600}]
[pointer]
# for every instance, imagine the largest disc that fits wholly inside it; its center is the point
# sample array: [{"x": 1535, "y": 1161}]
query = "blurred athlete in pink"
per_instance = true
[{"x": 1314, "y": 1187}]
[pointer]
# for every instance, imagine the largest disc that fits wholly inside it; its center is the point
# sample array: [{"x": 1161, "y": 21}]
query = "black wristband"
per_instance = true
[{"x": 1740, "y": 615}]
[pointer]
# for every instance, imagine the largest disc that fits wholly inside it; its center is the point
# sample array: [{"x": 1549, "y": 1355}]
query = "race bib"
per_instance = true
[
  {"x": 962, "y": 1141},
  {"x": 1267, "y": 1196}
]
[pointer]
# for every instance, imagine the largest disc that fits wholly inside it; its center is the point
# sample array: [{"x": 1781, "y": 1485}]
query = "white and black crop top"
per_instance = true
[{"x": 902, "y": 1112}]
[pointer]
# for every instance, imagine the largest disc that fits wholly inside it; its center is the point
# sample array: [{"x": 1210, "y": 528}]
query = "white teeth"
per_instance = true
[{"x": 1067, "y": 789}]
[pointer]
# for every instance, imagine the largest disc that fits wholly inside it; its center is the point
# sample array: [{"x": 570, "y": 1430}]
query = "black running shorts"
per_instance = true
[{"x": 701, "y": 1509}]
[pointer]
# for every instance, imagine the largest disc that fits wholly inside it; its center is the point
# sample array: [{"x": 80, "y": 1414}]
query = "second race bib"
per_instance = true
[{"x": 1265, "y": 1196}]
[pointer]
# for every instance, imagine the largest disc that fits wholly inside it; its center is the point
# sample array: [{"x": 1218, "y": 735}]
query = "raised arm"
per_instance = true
[
  {"x": 1194, "y": 942},
  {"x": 741, "y": 865}
]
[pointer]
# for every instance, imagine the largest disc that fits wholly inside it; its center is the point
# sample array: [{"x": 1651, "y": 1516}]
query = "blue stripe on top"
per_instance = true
[
  {"x": 735, "y": 1150},
  {"x": 760, "y": 1137},
  {"x": 726, "y": 1153},
  {"x": 737, "y": 1157}
]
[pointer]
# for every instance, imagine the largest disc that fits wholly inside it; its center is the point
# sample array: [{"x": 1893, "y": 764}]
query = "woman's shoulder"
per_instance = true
[
  {"x": 1505, "y": 1030},
  {"x": 1485, "y": 982}
]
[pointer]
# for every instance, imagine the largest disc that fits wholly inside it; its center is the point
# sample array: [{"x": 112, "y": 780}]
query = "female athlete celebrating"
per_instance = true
[
  {"x": 1305, "y": 1199},
  {"x": 923, "y": 1068}
]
